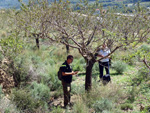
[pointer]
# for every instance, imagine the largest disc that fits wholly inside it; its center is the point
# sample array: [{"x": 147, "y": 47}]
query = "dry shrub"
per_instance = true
[
  {"x": 80, "y": 106},
  {"x": 6, "y": 106},
  {"x": 110, "y": 91},
  {"x": 103, "y": 95},
  {"x": 100, "y": 99},
  {"x": 3, "y": 34}
]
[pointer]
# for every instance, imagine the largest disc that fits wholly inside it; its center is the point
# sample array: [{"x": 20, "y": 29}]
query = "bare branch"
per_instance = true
[
  {"x": 145, "y": 62},
  {"x": 91, "y": 37},
  {"x": 110, "y": 53},
  {"x": 75, "y": 42},
  {"x": 51, "y": 39},
  {"x": 69, "y": 45}
]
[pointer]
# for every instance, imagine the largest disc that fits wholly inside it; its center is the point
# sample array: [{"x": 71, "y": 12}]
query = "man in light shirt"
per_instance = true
[{"x": 104, "y": 63}]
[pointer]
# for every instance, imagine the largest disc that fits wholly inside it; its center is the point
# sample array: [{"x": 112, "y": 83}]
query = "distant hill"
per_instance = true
[
  {"x": 10, "y": 3},
  {"x": 16, "y": 4}
]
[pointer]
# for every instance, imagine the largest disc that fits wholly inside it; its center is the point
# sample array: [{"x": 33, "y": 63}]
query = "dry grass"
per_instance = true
[
  {"x": 112, "y": 93},
  {"x": 6, "y": 106}
]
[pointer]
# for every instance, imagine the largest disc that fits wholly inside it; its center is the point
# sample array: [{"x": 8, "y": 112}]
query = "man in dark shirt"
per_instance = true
[{"x": 67, "y": 78}]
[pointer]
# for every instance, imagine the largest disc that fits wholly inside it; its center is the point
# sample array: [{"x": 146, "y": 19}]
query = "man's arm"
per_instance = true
[
  {"x": 100, "y": 55},
  {"x": 69, "y": 73}
]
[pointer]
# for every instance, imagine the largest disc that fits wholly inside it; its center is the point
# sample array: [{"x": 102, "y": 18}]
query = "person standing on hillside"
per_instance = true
[
  {"x": 104, "y": 63},
  {"x": 67, "y": 79}
]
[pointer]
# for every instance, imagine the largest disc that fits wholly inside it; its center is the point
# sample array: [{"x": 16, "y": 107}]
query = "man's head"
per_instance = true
[{"x": 69, "y": 59}]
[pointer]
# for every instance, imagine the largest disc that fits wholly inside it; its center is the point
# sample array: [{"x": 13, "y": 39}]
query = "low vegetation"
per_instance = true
[{"x": 28, "y": 74}]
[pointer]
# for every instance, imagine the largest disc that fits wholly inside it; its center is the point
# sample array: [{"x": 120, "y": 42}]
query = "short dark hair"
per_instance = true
[{"x": 69, "y": 57}]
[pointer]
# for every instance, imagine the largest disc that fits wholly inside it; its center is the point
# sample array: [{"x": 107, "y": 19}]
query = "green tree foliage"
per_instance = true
[
  {"x": 143, "y": 54},
  {"x": 11, "y": 46}
]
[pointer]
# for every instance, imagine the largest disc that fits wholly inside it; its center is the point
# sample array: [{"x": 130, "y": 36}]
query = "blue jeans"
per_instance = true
[{"x": 101, "y": 68}]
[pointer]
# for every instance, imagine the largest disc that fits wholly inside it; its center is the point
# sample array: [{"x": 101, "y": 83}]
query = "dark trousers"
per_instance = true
[
  {"x": 103, "y": 65},
  {"x": 66, "y": 90}
]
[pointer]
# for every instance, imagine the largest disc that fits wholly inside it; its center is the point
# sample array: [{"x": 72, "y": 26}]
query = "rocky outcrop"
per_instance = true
[{"x": 6, "y": 81}]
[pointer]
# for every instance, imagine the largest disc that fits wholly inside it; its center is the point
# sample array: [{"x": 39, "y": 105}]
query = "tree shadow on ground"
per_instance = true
[
  {"x": 96, "y": 74},
  {"x": 113, "y": 74}
]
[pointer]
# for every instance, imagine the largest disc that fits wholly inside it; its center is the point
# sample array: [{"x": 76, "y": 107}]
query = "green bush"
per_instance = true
[
  {"x": 103, "y": 105},
  {"x": 1, "y": 92},
  {"x": 95, "y": 68},
  {"x": 142, "y": 80},
  {"x": 36, "y": 60},
  {"x": 143, "y": 51},
  {"x": 127, "y": 56},
  {"x": 119, "y": 66},
  {"x": 144, "y": 88},
  {"x": 24, "y": 100},
  {"x": 59, "y": 53},
  {"x": 57, "y": 110},
  {"x": 131, "y": 61},
  {"x": 111, "y": 92},
  {"x": 40, "y": 91},
  {"x": 57, "y": 93},
  {"x": 133, "y": 92},
  {"x": 145, "y": 47},
  {"x": 76, "y": 89},
  {"x": 1, "y": 57},
  {"x": 3, "y": 34},
  {"x": 49, "y": 76},
  {"x": 21, "y": 68},
  {"x": 126, "y": 106},
  {"x": 49, "y": 61},
  {"x": 41, "y": 68},
  {"x": 7, "y": 110},
  {"x": 11, "y": 46},
  {"x": 141, "y": 76},
  {"x": 80, "y": 107}
]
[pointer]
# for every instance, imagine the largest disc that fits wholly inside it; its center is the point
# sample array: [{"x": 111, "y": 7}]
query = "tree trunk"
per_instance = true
[
  {"x": 88, "y": 78},
  {"x": 37, "y": 42},
  {"x": 67, "y": 49}
]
